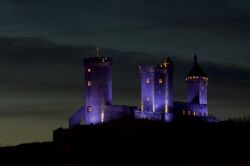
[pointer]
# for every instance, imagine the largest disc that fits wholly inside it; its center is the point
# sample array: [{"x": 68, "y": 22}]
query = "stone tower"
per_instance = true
[
  {"x": 147, "y": 88},
  {"x": 157, "y": 87},
  {"x": 164, "y": 87},
  {"x": 197, "y": 82},
  {"x": 98, "y": 88}
]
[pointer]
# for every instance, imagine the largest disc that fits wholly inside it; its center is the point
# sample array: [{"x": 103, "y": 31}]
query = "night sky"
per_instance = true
[{"x": 43, "y": 42}]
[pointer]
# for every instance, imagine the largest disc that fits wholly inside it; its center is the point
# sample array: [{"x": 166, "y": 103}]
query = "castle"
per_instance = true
[{"x": 156, "y": 93}]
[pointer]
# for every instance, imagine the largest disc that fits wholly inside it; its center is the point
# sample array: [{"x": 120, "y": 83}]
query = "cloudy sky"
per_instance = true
[{"x": 43, "y": 42}]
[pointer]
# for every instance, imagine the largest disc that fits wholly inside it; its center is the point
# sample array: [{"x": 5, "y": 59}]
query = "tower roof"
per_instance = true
[{"x": 196, "y": 69}]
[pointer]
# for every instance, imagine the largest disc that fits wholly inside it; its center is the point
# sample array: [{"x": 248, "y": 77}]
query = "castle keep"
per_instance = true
[{"x": 156, "y": 94}]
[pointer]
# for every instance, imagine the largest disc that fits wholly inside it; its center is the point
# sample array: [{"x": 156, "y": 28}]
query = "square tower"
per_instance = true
[
  {"x": 164, "y": 87},
  {"x": 157, "y": 88}
]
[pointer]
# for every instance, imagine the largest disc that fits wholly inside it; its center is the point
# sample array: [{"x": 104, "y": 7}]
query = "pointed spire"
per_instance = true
[
  {"x": 98, "y": 50},
  {"x": 195, "y": 58},
  {"x": 196, "y": 69}
]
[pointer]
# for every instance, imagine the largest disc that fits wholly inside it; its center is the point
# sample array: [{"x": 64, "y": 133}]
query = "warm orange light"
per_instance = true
[
  {"x": 160, "y": 81},
  {"x": 165, "y": 64}
]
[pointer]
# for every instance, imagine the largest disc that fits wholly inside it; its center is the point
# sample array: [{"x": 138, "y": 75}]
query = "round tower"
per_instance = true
[
  {"x": 98, "y": 88},
  {"x": 197, "y": 82},
  {"x": 147, "y": 88}
]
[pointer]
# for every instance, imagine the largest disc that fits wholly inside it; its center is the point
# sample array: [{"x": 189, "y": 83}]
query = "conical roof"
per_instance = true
[{"x": 196, "y": 69}]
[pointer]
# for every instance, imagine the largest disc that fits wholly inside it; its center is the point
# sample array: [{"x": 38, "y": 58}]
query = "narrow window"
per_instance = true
[
  {"x": 102, "y": 116},
  {"x": 89, "y": 109},
  {"x": 148, "y": 81},
  {"x": 183, "y": 112},
  {"x": 89, "y": 83}
]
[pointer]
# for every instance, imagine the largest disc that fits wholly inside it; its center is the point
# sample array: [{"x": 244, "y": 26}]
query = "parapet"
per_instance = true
[
  {"x": 97, "y": 61},
  {"x": 146, "y": 69}
]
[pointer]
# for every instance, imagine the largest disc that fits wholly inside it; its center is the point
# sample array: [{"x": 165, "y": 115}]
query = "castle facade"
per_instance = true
[{"x": 156, "y": 94}]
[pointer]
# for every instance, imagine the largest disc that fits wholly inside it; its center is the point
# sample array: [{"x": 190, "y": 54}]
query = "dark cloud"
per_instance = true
[
  {"x": 46, "y": 40},
  {"x": 38, "y": 76}
]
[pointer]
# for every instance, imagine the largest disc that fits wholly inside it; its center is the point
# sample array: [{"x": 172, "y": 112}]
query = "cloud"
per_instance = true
[
  {"x": 50, "y": 17},
  {"x": 37, "y": 76}
]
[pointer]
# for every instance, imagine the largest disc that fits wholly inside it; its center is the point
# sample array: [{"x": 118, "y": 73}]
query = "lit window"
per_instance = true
[
  {"x": 89, "y": 109},
  {"x": 166, "y": 107},
  {"x": 194, "y": 114},
  {"x": 183, "y": 112},
  {"x": 89, "y": 70},
  {"x": 148, "y": 81},
  {"x": 103, "y": 59},
  {"x": 102, "y": 117},
  {"x": 189, "y": 112},
  {"x": 147, "y": 98},
  {"x": 89, "y": 83},
  {"x": 160, "y": 81}
]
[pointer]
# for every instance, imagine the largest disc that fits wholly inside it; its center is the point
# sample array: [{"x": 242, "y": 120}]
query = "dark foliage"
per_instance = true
[{"x": 186, "y": 141}]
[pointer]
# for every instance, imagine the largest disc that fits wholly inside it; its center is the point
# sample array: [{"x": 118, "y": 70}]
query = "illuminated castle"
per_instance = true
[{"x": 156, "y": 94}]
